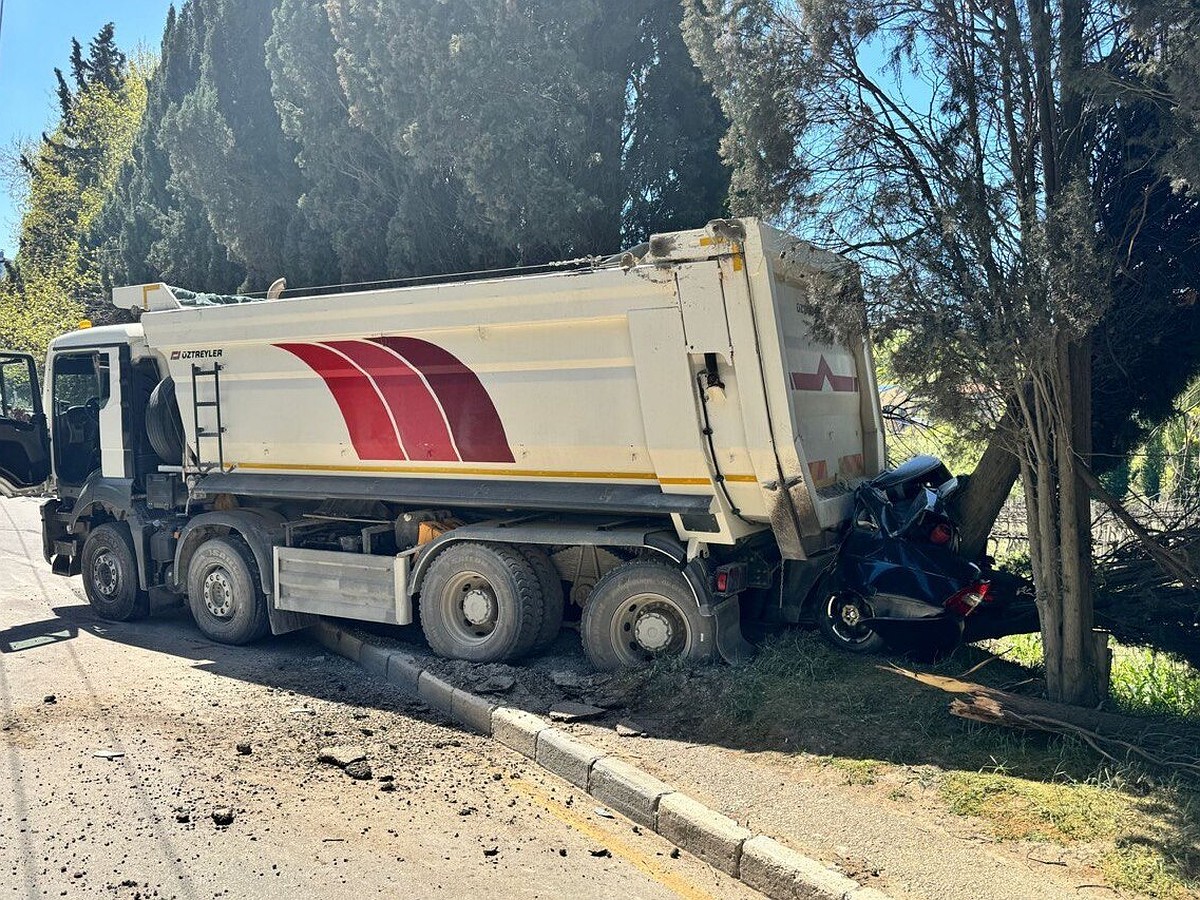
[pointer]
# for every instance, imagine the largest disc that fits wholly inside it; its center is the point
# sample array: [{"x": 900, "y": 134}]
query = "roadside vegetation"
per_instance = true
[{"x": 878, "y": 732}]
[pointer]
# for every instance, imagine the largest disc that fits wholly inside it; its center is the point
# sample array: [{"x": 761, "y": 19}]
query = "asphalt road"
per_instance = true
[{"x": 118, "y": 742}]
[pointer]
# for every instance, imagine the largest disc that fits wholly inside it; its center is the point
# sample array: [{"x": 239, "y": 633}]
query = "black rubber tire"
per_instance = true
[
  {"x": 514, "y": 588},
  {"x": 230, "y": 561},
  {"x": 612, "y": 602},
  {"x": 110, "y": 575},
  {"x": 553, "y": 601},
  {"x": 164, "y": 427},
  {"x": 871, "y": 642}
]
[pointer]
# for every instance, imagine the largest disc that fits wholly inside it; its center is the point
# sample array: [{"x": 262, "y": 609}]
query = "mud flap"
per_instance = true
[
  {"x": 283, "y": 620},
  {"x": 734, "y": 648}
]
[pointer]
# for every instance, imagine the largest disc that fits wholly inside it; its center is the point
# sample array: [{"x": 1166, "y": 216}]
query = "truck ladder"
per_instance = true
[{"x": 217, "y": 433}]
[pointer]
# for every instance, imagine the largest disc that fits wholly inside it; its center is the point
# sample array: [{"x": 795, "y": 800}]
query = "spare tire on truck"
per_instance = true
[{"x": 164, "y": 427}]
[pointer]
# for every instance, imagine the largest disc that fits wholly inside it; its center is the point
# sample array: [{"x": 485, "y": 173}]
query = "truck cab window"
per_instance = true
[
  {"x": 80, "y": 391},
  {"x": 16, "y": 391}
]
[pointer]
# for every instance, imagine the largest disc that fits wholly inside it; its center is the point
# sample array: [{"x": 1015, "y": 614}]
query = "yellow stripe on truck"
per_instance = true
[{"x": 499, "y": 473}]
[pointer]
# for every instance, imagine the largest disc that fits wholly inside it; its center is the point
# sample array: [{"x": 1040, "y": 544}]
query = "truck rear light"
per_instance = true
[
  {"x": 729, "y": 579},
  {"x": 964, "y": 602}
]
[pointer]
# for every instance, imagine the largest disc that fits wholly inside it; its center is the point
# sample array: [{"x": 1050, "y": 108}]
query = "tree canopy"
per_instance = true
[
  {"x": 57, "y": 274},
  {"x": 1010, "y": 177}
]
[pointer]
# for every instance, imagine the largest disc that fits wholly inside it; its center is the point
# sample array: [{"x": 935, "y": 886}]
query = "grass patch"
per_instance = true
[
  {"x": 823, "y": 707},
  {"x": 1019, "y": 809},
  {"x": 857, "y": 771},
  {"x": 1144, "y": 681},
  {"x": 1147, "y": 869}
]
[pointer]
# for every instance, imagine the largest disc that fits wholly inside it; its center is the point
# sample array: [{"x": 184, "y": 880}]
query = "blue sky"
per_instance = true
[{"x": 35, "y": 36}]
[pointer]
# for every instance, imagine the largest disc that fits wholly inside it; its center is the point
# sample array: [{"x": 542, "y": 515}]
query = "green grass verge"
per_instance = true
[
  {"x": 1144, "y": 681},
  {"x": 848, "y": 715}
]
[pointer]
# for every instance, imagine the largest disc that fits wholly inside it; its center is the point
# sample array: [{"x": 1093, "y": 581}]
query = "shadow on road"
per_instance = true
[
  {"x": 290, "y": 663},
  {"x": 36, "y": 634}
]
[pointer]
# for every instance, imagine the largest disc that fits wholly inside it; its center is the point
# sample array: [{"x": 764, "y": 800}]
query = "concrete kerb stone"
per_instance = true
[
  {"x": 566, "y": 757},
  {"x": 340, "y": 642},
  {"x": 437, "y": 693},
  {"x": 404, "y": 672},
  {"x": 783, "y": 874},
  {"x": 712, "y": 837},
  {"x": 518, "y": 730},
  {"x": 472, "y": 710},
  {"x": 758, "y": 861},
  {"x": 627, "y": 789},
  {"x": 374, "y": 659}
]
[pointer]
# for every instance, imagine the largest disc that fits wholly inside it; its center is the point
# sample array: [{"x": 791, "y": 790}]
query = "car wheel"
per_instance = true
[{"x": 840, "y": 616}]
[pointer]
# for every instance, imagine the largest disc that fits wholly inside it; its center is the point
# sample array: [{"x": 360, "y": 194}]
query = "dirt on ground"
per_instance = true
[{"x": 869, "y": 773}]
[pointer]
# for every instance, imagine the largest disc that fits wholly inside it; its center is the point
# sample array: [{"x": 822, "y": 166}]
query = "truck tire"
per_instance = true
[
  {"x": 224, "y": 593},
  {"x": 481, "y": 602},
  {"x": 552, "y": 596},
  {"x": 110, "y": 574},
  {"x": 642, "y": 611},
  {"x": 164, "y": 427},
  {"x": 838, "y": 614}
]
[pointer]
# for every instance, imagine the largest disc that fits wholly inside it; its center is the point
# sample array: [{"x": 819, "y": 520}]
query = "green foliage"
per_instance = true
[
  {"x": 1116, "y": 480},
  {"x": 1145, "y": 681},
  {"x": 438, "y": 137},
  {"x": 56, "y": 272},
  {"x": 226, "y": 148},
  {"x": 1151, "y": 466},
  {"x": 150, "y": 229}
]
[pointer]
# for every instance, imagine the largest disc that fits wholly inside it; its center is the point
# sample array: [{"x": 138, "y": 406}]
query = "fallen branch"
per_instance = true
[
  {"x": 1115, "y": 737},
  {"x": 1174, "y": 566}
]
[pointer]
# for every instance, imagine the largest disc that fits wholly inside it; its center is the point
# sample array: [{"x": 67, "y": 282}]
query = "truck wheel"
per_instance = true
[
  {"x": 840, "y": 616},
  {"x": 642, "y": 611},
  {"x": 110, "y": 575},
  {"x": 224, "y": 594},
  {"x": 481, "y": 602},
  {"x": 552, "y": 596}
]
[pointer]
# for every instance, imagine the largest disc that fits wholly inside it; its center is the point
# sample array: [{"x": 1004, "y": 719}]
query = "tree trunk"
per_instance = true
[
  {"x": 1085, "y": 680},
  {"x": 988, "y": 488}
]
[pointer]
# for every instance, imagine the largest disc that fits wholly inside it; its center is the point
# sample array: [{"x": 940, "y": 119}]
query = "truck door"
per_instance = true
[
  {"x": 24, "y": 449},
  {"x": 85, "y": 419}
]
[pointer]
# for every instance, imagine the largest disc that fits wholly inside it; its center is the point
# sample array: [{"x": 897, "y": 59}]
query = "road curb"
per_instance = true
[{"x": 758, "y": 861}]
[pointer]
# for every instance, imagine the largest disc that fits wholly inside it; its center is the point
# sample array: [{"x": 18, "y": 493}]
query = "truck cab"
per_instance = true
[{"x": 84, "y": 423}]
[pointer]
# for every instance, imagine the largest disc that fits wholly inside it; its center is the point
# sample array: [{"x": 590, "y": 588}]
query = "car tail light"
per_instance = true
[
  {"x": 941, "y": 533},
  {"x": 964, "y": 602}
]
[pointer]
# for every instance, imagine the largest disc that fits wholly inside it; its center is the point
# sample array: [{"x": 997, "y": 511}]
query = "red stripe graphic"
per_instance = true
[
  {"x": 367, "y": 419},
  {"x": 424, "y": 433},
  {"x": 815, "y": 381},
  {"x": 470, "y": 413}
]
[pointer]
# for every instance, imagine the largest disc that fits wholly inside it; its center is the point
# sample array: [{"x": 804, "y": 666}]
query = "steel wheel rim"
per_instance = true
[
  {"x": 845, "y": 613},
  {"x": 106, "y": 574},
  {"x": 650, "y": 626},
  {"x": 218, "y": 593},
  {"x": 470, "y": 607}
]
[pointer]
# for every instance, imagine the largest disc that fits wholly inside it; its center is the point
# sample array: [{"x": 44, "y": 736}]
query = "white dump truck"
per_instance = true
[{"x": 636, "y": 441}]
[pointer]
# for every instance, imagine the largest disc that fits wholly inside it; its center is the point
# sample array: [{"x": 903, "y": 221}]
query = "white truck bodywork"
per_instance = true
[{"x": 588, "y": 378}]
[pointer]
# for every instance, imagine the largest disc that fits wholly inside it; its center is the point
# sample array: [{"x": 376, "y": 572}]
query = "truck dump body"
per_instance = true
[{"x": 685, "y": 383}]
